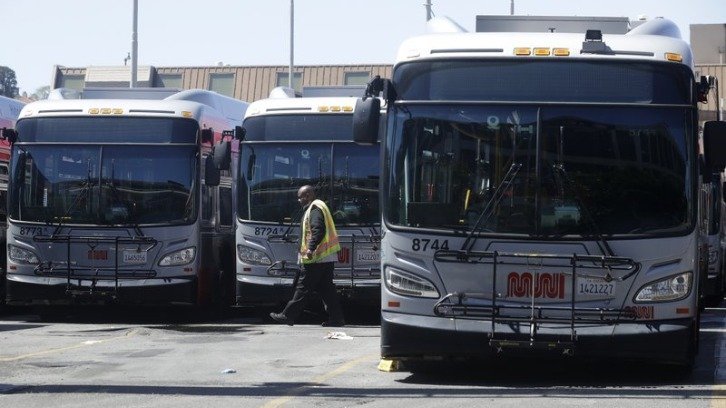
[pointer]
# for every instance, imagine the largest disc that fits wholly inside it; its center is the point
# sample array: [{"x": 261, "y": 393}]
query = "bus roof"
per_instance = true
[
  {"x": 651, "y": 41},
  {"x": 286, "y": 106},
  {"x": 9, "y": 111},
  {"x": 187, "y": 104}
]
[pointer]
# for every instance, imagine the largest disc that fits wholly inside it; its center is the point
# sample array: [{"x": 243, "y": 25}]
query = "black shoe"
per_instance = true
[
  {"x": 281, "y": 318},
  {"x": 333, "y": 324}
]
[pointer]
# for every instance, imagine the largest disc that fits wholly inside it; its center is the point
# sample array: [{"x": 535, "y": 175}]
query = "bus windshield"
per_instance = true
[
  {"x": 344, "y": 175},
  {"x": 540, "y": 170},
  {"x": 104, "y": 185}
]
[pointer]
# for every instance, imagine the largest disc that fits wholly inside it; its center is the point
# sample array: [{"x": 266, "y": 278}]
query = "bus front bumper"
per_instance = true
[
  {"x": 406, "y": 336},
  {"x": 271, "y": 291},
  {"x": 33, "y": 290}
]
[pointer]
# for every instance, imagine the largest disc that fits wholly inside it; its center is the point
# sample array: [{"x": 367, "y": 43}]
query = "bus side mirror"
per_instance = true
[
  {"x": 11, "y": 135},
  {"x": 222, "y": 155},
  {"x": 211, "y": 172},
  {"x": 366, "y": 119},
  {"x": 207, "y": 135},
  {"x": 714, "y": 145}
]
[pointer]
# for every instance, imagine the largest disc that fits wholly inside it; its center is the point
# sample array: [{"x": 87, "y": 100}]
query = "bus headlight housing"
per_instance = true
[
  {"x": 252, "y": 256},
  {"x": 181, "y": 257},
  {"x": 24, "y": 256},
  {"x": 408, "y": 284},
  {"x": 669, "y": 289}
]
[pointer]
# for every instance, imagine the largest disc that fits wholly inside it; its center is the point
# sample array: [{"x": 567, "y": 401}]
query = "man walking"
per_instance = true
[{"x": 318, "y": 252}]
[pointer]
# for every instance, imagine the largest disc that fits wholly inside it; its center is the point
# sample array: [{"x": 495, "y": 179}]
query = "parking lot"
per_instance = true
[{"x": 171, "y": 358}]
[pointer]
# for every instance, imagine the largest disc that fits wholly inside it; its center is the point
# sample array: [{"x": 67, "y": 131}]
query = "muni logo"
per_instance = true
[
  {"x": 98, "y": 255},
  {"x": 548, "y": 285},
  {"x": 344, "y": 255},
  {"x": 640, "y": 312}
]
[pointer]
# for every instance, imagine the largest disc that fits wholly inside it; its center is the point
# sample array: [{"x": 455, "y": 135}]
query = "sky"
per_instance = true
[{"x": 40, "y": 34}]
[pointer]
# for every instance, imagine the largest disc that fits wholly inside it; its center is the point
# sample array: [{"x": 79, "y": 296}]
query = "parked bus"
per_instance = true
[
  {"x": 714, "y": 235},
  {"x": 290, "y": 142},
  {"x": 713, "y": 192},
  {"x": 540, "y": 192},
  {"x": 118, "y": 200},
  {"x": 9, "y": 111}
]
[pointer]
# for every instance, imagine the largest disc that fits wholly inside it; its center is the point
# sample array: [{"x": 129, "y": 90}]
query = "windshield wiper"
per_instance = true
[
  {"x": 574, "y": 189},
  {"x": 491, "y": 205},
  {"x": 83, "y": 193},
  {"x": 285, "y": 237}
]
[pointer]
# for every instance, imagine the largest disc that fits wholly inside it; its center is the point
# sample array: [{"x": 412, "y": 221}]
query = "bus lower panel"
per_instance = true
[
  {"x": 252, "y": 294},
  {"x": 632, "y": 342},
  {"x": 25, "y": 293},
  {"x": 272, "y": 295}
]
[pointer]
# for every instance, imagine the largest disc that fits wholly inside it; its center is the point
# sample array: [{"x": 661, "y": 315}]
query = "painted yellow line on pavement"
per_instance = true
[
  {"x": 320, "y": 379},
  {"x": 62, "y": 349}
]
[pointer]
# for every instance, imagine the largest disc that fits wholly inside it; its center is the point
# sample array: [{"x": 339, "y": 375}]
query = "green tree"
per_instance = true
[
  {"x": 40, "y": 93},
  {"x": 8, "y": 82}
]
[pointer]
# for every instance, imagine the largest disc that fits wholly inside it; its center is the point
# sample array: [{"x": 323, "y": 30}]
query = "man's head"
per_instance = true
[{"x": 305, "y": 195}]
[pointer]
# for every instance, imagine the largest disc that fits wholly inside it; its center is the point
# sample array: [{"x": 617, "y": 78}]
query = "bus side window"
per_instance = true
[{"x": 225, "y": 206}]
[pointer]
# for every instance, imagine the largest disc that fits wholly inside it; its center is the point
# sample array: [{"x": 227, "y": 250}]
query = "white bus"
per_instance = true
[
  {"x": 9, "y": 111},
  {"x": 119, "y": 200},
  {"x": 713, "y": 228},
  {"x": 540, "y": 192},
  {"x": 290, "y": 142}
]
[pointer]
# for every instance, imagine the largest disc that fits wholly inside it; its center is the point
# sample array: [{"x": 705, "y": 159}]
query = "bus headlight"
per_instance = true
[
  {"x": 407, "y": 284},
  {"x": 20, "y": 255},
  {"x": 252, "y": 256},
  {"x": 672, "y": 288},
  {"x": 181, "y": 257}
]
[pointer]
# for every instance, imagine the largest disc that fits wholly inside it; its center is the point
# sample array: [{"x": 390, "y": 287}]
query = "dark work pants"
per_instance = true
[{"x": 315, "y": 277}]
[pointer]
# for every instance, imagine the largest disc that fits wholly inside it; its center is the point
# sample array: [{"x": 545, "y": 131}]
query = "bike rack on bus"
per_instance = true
[
  {"x": 356, "y": 242},
  {"x": 453, "y": 304},
  {"x": 94, "y": 274},
  {"x": 370, "y": 241}
]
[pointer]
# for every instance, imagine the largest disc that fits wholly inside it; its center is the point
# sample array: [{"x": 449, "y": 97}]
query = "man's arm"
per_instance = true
[{"x": 317, "y": 228}]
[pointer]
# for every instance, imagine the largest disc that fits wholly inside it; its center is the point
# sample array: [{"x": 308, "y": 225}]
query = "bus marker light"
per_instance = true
[
  {"x": 188, "y": 269},
  {"x": 186, "y": 114},
  {"x": 118, "y": 111},
  {"x": 105, "y": 111},
  {"x": 12, "y": 267},
  {"x": 561, "y": 52},
  {"x": 335, "y": 108},
  {"x": 413, "y": 53},
  {"x": 323, "y": 108},
  {"x": 394, "y": 304},
  {"x": 93, "y": 111},
  {"x": 683, "y": 310},
  {"x": 522, "y": 51},
  {"x": 672, "y": 56},
  {"x": 247, "y": 269},
  {"x": 347, "y": 109},
  {"x": 542, "y": 52}
]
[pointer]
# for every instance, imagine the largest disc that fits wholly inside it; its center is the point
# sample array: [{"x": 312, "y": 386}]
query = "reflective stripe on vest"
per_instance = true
[{"x": 329, "y": 245}]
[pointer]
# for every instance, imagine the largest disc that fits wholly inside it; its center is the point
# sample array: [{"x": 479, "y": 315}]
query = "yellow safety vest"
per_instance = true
[{"x": 329, "y": 245}]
